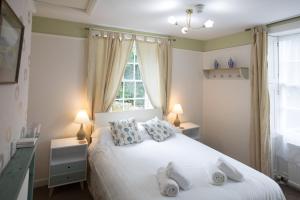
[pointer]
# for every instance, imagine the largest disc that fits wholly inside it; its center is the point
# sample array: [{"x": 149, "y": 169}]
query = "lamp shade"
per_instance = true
[
  {"x": 82, "y": 117},
  {"x": 177, "y": 109}
]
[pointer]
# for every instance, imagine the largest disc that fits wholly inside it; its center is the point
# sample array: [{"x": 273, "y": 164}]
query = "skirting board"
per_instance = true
[
  {"x": 40, "y": 182},
  {"x": 294, "y": 185}
]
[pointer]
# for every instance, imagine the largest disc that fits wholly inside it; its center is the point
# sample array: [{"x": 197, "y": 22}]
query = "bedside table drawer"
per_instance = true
[
  {"x": 68, "y": 168},
  {"x": 67, "y": 178}
]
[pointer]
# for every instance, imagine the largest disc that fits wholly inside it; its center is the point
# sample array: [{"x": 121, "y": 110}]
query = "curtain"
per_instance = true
[
  {"x": 155, "y": 66},
  {"x": 286, "y": 105},
  {"x": 165, "y": 63},
  {"x": 107, "y": 57},
  {"x": 260, "y": 148}
]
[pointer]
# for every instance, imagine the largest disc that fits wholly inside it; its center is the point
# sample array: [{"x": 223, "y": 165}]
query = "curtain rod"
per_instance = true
[
  {"x": 137, "y": 34},
  {"x": 278, "y": 21}
]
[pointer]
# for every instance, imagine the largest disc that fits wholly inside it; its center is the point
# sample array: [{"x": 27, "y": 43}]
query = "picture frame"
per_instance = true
[{"x": 11, "y": 43}]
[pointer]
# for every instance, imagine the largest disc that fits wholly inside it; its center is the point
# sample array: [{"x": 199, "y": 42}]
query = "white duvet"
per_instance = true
[{"x": 128, "y": 172}]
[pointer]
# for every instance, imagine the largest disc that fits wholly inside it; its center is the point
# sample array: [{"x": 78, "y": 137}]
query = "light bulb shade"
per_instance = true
[
  {"x": 209, "y": 24},
  {"x": 177, "y": 109},
  {"x": 184, "y": 30},
  {"x": 172, "y": 20},
  {"x": 82, "y": 117}
]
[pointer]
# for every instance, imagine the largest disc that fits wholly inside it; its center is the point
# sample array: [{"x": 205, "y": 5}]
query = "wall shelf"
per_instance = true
[{"x": 227, "y": 73}]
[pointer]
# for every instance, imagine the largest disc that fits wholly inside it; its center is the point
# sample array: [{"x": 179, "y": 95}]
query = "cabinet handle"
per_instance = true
[
  {"x": 69, "y": 167},
  {"x": 68, "y": 177}
]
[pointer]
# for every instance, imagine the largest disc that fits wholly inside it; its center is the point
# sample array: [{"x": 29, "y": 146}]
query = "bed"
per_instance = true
[{"x": 128, "y": 172}]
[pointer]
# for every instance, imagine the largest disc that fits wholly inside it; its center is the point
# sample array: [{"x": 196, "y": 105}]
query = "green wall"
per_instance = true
[
  {"x": 75, "y": 29},
  {"x": 237, "y": 39}
]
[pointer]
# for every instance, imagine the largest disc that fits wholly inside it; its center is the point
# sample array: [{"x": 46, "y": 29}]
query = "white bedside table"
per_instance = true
[
  {"x": 190, "y": 129},
  {"x": 68, "y": 162}
]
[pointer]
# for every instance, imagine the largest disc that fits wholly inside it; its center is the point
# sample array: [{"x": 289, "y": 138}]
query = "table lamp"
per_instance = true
[
  {"x": 81, "y": 118},
  {"x": 177, "y": 109}
]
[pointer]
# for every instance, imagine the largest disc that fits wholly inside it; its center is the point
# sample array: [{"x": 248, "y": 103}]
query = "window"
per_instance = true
[
  {"x": 284, "y": 90},
  {"x": 131, "y": 94},
  {"x": 284, "y": 83}
]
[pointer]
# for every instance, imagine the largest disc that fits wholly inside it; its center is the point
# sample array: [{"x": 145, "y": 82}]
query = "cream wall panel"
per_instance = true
[
  {"x": 226, "y": 106},
  {"x": 186, "y": 87}
]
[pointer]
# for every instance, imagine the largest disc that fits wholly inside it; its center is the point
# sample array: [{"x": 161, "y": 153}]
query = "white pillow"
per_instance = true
[
  {"x": 103, "y": 135},
  {"x": 143, "y": 132}
]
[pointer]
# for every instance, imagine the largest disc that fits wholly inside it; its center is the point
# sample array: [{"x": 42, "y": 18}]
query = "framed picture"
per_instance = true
[{"x": 11, "y": 41}]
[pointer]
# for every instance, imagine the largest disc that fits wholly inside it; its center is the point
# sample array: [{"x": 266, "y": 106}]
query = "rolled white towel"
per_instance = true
[
  {"x": 217, "y": 176},
  {"x": 229, "y": 170},
  {"x": 167, "y": 186},
  {"x": 174, "y": 173}
]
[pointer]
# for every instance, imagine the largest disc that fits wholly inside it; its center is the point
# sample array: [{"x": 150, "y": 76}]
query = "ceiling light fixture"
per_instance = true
[{"x": 187, "y": 26}]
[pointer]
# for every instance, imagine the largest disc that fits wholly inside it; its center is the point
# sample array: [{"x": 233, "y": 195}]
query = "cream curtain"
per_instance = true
[
  {"x": 165, "y": 63},
  {"x": 107, "y": 57},
  {"x": 155, "y": 66},
  {"x": 260, "y": 124}
]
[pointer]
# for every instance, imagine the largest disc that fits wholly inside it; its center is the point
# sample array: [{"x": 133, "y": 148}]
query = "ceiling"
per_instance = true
[{"x": 230, "y": 16}]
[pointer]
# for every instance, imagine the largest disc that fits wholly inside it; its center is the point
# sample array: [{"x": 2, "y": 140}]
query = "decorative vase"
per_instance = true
[
  {"x": 216, "y": 64},
  {"x": 230, "y": 63}
]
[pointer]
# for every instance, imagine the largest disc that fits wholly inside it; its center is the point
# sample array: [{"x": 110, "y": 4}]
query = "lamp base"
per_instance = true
[
  {"x": 176, "y": 121},
  {"x": 81, "y": 133}
]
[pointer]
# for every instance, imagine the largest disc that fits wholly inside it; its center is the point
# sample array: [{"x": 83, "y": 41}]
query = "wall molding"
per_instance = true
[
  {"x": 234, "y": 40},
  {"x": 59, "y": 36},
  {"x": 40, "y": 182}
]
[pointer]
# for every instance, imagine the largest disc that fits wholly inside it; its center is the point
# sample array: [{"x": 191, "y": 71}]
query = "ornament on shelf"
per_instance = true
[
  {"x": 216, "y": 64},
  {"x": 230, "y": 63}
]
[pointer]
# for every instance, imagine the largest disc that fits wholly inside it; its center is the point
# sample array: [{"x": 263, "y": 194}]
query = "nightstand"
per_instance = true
[
  {"x": 190, "y": 129},
  {"x": 68, "y": 162}
]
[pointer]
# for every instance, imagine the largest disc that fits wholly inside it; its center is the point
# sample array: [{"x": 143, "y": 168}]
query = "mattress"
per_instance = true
[{"x": 128, "y": 172}]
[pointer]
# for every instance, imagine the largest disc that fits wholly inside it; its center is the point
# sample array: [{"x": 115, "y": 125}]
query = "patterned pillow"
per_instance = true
[
  {"x": 158, "y": 130},
  {"x": 169, "y": 125},
  {"x": 125, "y": 132}
]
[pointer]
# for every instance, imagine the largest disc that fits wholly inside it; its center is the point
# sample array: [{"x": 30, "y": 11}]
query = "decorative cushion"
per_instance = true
[
  {"x": 125, "y": 132},
  {"x": 159, "y": 130}
]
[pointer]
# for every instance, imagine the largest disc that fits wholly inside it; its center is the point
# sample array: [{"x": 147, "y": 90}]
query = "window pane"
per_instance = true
[
  {"x": 140, "y": 91},
  {"x": 117, "y": 106},
  {"x": 128, "y": 104},
  {"x": 129, "y": 90},
  {"x": 128, "y": 74},
  {"x": 137, "y": 72},
  {"x": 120, "y": 92},
  {"x": 140, "y": 103},
  {"x": 131, "y": 57}
]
